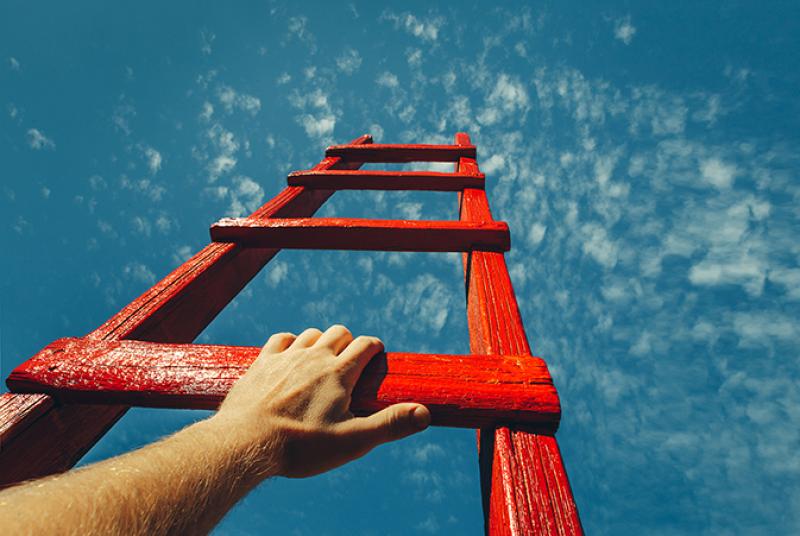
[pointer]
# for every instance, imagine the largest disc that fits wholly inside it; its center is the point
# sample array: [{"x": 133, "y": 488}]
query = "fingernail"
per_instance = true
[{"x": 421, "y": 416}]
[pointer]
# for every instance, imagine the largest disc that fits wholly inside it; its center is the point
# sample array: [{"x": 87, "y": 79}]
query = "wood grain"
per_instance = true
[
  {"x": 391, "y": 153},
  {"x": 524, "y": 485},
  {"x": 176, "y": 309},
  {"x": 385, "y": 180},
  {"x": 363, "y": 234},
  {"x": 20, "y": 411},
  {"x": 461, "y": 391}
]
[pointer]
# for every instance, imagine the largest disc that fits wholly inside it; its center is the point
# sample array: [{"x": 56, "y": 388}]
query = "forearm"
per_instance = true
[
  {"x": 287, "y": 416},
  {"x": 182, "y": 484}
]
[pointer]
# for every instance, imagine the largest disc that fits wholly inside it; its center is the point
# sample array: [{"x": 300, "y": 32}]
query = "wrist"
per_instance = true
[{"x": 253, "y": 448}]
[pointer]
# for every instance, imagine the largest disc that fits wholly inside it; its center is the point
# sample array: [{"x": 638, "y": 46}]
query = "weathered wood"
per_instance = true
[
  {"x": 176, "y": 309},
  {"x": 390, "y": 153},
  {"x": 463, "y": 391},
  {"x": 71, "y": 431},
  {"x": 363, "y": 234},
  {"x": 385, "y": 180},
  {"x": 524, "y": 484},
  {"x": 17, "y": 412}
]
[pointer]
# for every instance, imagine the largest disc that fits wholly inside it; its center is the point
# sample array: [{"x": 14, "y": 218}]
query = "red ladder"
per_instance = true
[{"x": 70, "y": 393}]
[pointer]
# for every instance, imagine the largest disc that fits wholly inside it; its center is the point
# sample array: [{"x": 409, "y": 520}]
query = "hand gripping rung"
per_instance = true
[
  {"x": 386, "y": 180},
  {"x": 468, "y": 391},
  {"x": 375, "y": 152},
  {"x": 363, "y": 234}
]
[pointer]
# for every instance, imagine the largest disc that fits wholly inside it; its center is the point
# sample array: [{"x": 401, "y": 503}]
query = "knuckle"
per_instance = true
[
  {"x": 312, "y": 331},
  {"x": 282, "y": 336},
  {"x": 339, "y": 329},
  {"x": 395, "y": 428}
]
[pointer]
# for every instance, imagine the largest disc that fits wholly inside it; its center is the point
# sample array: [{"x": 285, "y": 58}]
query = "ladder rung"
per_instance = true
[
  {"x": 389, "y": 153},
  {"x": 385, "y": 180},
  {"x": 363, "y": 234},
  {"x": 468, "y": 391}
]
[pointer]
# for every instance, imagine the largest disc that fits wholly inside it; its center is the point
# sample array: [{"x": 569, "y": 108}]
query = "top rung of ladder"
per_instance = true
[{"x": 400, "y": 153}]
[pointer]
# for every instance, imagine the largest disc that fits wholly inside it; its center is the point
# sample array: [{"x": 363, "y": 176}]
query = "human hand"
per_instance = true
[{"x": 293, "y": 403}]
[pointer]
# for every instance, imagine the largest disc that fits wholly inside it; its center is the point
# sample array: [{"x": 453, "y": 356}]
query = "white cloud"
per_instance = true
[
  {"x": 164, "y": 223},
  {"x": 37, "y": 140},
  {"x": 387, "y": 79},
  {"x": 153, "y": 160},
  {"x": 508, "y": 98},
  {"x": 284, "y": 78},
  {"x": 429, "y": 525},
  {"x": 319, "y": 119},
  {"x": 624, "y": 30},
  {"x": 141, "y": 225},
  {"x": 13, "y": 63},
  {"x": 206, "y": 39},
  {"x": 494, "y": 163},
  {"x": 597, "y": 244},
  {"x": 730, "y": 270},
  {"x": 246, "y": 195},
  {"x": 298, "y": 28},
  {"x": 207, "y": 111},
  {"x": 349, "y": 61},
  {"x": 735, "y": 252},
  {"x": 122, "y": 115},
  {"x": 756, "y": 328},
  {"x": 718, "y": 173},
  {"x": 427, "y": 451},
  {"x": 231, "y": 100},
  {"x": 427, "y": 30},
  {"x": 320, "y": 126},
  {"x": 789, "y": 278},
  {"x": 227, "y": 146},
  {"x": 220, "y": 165},
  {"x": 536, "y": 234},
  {"x": 144, "y": 186},
  {"x": 410, "y": 210},
  {"x": 414, "y": 57},
  {"x": 277, "y": 273},
  {"x": 427, "y": 300},
  {"x": 182, "y": 254},
  {"x": 139, "y": 272}
]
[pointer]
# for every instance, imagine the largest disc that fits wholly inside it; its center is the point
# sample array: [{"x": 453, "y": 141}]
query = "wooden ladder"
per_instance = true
[{"x": 68, "y": 395}]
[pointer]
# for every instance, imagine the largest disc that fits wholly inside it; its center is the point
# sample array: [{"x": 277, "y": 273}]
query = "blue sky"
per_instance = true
[{"x": 645, "y": 158}]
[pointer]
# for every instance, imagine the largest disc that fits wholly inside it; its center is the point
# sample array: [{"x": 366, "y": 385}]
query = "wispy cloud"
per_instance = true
[
  {"x": 233, "y": 100},
  {"x": 318, "y": 118},
  {"x": 349, "y": 61},
  {"x": 37, "y": 140},
  {"x": 508, "y": 97},
  {"x": 425, "y": 29},
  {"x": 153, "y": 158},
  {"x": 624, "y": 30}
]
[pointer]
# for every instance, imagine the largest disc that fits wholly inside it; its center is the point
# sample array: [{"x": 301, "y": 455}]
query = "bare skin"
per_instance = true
[{"x": 288, "y": 416}]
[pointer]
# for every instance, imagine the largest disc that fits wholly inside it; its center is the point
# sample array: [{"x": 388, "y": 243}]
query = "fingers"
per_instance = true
[
  {"x": 278, "y": 343},
  {"x": 336, "y": 338},
  {"x": 306, "y": 339},
  {"x": 356, "y": 356},
  {"x": 362, "y": 434}
]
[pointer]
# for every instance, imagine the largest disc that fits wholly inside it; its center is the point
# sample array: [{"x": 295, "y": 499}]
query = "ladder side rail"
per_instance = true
[
  {"x": 176, "y": 309},
  {"x": 523, "y": 481}
]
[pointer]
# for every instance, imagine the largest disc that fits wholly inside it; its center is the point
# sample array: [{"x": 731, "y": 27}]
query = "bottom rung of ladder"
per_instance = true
[
  {"x": 470, "y": 391},
  {"x": 363, "y": 234}
]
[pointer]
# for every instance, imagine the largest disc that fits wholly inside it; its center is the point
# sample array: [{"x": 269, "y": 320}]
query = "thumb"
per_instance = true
[{"x": 389, "y": 424}]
